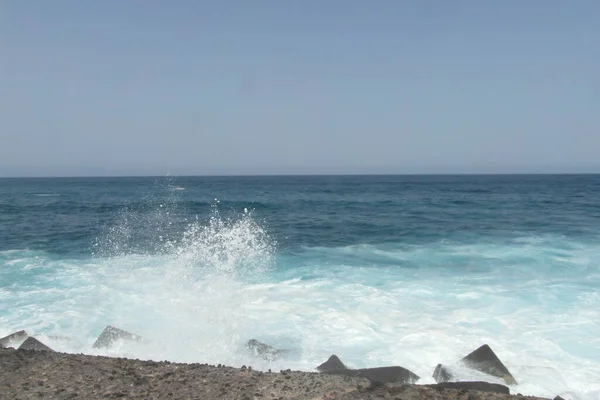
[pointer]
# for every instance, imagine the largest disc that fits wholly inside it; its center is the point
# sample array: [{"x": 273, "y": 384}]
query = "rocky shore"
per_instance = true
[{"x": 34, "y": 371}]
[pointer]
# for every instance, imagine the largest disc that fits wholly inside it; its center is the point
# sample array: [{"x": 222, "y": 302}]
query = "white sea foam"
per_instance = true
[{"x": 204, "y": 296}]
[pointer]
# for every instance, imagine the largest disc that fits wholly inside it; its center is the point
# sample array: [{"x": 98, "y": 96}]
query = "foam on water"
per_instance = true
[
  {"x": 198, "y": 304},
  {"x": 198, "y": 296}
]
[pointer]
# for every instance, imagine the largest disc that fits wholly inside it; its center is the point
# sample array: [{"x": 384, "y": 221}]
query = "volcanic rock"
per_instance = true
[
  {"x": 333, "y": 363},
  {"x": 263, "y": 350},
  {"x": 480, "y": 386},
  {"x": 32, "y": 343},
  {"x": 379, "y": 375},
  {"x": 485, "y": 360},
  {"x": 442, "y": 374},
  {"x": 13, "y": 337},
  {"x": 110, "y": 334}
]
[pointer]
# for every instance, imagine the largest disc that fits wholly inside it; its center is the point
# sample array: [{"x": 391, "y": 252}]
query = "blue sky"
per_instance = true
[{"x": 277, "y": 87}]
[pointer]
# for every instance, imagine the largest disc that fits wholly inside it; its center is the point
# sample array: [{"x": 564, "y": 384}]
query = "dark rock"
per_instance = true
[
  {"x": 558, "y": 398},
  {"x": 110, "y": 334},
  {"x": 480, "y": 386},
  {"x": 395, "y": 374},
  {"x": 32, "y": 343},
  {"x": 264, "y": 351},
  {"x": 380, "y": 375},
  {"x": 343, "y": 372},
  {"x": 375, "y": 385},
  {"x": 332, "y": 364},
  {"x": 13, "y": 337},
  {"x": 442, "y": 374},
  {"x": 485, "y": 360}
]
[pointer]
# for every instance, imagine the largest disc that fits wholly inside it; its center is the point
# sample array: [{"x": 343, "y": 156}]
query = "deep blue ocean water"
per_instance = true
[{"x": 408, "y": 270}]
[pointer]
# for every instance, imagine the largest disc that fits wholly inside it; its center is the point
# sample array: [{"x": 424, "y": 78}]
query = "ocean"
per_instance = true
[{"x": 380, "y": 270}]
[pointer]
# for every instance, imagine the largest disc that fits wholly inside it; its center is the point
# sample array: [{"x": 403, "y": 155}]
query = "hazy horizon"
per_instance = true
[
  {"x": 270, "y": 88},
  {"x": 291, "y": 174}
]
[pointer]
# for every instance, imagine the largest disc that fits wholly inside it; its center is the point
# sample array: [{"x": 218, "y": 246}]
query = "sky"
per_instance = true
[{"x": 198, "y": 87}]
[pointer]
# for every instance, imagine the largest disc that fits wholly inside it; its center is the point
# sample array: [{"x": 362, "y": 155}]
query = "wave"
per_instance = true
[
  {"x": 192, "y": 306},
  {"x": 533, "y": 254}
]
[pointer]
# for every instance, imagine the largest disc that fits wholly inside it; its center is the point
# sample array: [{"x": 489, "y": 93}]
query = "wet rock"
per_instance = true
[
  {"x": 485, "y": 360},
  {"x": 442, "y": 374},
  {"x": 110, "y": 334},
  {"x": 343, "y": 372},
  {"x": 333, "y": 363},
  {"x": 13, "y": 337},
  {"x": 263, "y": 350},
  {"x": 32, "y": 343},
  {"x": 558, "y": 398},
  {"x": 395, "y": 374},
  {"x": 379, "y": 375},
  {"x": 480, "y": 386}
]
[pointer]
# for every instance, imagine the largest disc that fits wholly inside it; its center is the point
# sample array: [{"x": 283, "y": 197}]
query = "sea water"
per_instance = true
[{"x": 380, "y": 270}]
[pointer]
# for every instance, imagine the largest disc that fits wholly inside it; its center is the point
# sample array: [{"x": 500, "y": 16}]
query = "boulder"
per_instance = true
[
  {"x": 395, "y": 374},
  {"x": 379, "y": 375},
  {"x": 263, "y": 350},
  {"x": 13, "y": 337},
  {"x": 32, "y": 343},
  {"x": 110, "y": 334},
  {"x": 485, "y": 360},
  {"x": 480, "y": 386},
  {"x": 333, "y": 363},
  {"x": 442, "y": 374}
]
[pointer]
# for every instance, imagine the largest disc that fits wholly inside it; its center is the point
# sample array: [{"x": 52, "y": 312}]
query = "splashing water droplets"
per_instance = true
[
  {"x": 235, "y": 246},
  {"x": 232, "y": 247},
  {"x": 178, "y": 281}
]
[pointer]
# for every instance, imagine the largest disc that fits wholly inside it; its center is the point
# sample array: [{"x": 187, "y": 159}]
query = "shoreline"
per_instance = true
[{"x": 30, "y": 374}]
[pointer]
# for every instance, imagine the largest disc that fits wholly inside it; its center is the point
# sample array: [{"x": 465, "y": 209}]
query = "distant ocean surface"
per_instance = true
[{"x": 380, "y": 270}]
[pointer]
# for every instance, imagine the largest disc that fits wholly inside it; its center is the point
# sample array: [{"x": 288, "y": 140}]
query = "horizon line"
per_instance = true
[{"x": 296, "y": 175}]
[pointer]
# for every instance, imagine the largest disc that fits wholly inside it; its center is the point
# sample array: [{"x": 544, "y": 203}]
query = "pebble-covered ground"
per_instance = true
[{"x": 29, "y": 374}]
